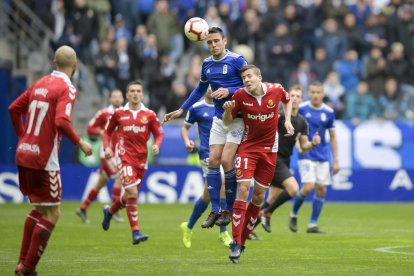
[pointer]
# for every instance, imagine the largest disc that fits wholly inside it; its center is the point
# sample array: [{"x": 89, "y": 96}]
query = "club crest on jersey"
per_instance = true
[
  {"x": 323, "y": 117},
  {"x": 238, "y": 173},
  {"x": 225, "y": 69},
  {"x": 270, "y": 104},
  {"x": 144, "y": 119},
  {"x": 127, "y": 179}
]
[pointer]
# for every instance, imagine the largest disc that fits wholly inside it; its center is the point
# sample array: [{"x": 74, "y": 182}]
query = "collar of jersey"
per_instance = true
[
  {"x": 216, "y": 60},
  {"x": 126, "y": 107},
  {"x": 264, "y": 87},
  {"x": 62, "y": 75}
]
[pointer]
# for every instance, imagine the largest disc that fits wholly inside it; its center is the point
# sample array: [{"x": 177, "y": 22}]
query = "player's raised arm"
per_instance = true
[{"x": 228, "y": 110}]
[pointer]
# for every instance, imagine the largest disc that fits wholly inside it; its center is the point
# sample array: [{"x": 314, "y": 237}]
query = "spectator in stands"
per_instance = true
[
  {"x": 350, "y": 70},
  {"x": 335, "y": 94},
  {"x": 361, "y": 9},
  {"x": 86, "y": 23},
  {"x": 303, "y": 76},
  {"x": 136, "y": 50},
  {"x": 336, "y": 9},
  {"x": 121, "y": 30},
  {"x": 145, "y": 8},
  {"x": 372, "y": 34},
  {"x": 351, "y": 31},
  {"x": 321, "y": 65},
  {"x": 398, "y": 66},
  {"x": 58, "y": 11},
  {"x": 69, "y": 38},
  {"x": 105, "y": 68},
  {"x": 376, "y": 72},
  {"x": 281, "y": 52},
  {"x": 390, "y": 103},
  {"x": 129, "y": 11},
  {"x": 123, "y": 65},
  {"x": 360, "y": 104},
  {"x": 292, "y": 19},
  {"x": 164, "y": 25},
  {"x": 272, "y": 16},
  {"x": 333, "y": 40},
  {"x": 194, "y": 72},
  {"x": 213, "y": 19}
]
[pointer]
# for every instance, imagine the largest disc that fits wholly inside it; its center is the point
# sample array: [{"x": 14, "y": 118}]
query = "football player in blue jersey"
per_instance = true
[
  {"x": 201, "y": 113},
  {"x": 314, "y": 167},
  {"x": 221, "y": 71}
]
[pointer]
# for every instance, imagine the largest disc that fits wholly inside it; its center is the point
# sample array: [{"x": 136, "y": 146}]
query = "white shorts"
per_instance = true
[
  {"x": 204, "y": 167},
  {"x": 221, "y": 134},
  {"x": 315, "y": 172}
]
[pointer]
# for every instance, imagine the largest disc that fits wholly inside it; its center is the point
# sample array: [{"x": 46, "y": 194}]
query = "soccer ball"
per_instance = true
[{"x": 196, "y": 29}]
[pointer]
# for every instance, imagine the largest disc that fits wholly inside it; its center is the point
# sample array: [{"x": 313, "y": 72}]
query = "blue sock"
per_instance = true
[
  {"x": 299, "y": 199},
  {"x": 230, "y": 185},
  {"x": 214, "y": 186},
  {"x": 223, "y": 207},
  {"x": 199, "y": 207},
  {"x": 317, "y": 205}
]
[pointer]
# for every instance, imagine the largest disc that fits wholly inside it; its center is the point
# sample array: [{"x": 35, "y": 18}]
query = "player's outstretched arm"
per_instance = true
[
  {"x": 227, "y": 115},
  {"x": 175, "y": 114},
  {"x": 85, "y": 147}
]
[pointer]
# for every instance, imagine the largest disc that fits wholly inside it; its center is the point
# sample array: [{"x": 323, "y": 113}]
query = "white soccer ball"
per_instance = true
[{"x": 196, "y": 29}]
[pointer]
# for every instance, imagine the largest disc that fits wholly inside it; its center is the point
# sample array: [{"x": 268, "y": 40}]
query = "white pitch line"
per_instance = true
[{"x": 390, "y": 249}]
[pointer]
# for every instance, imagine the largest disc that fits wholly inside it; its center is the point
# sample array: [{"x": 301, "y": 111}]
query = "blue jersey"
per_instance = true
[
  {"x": 202, "y": 113},
  {"x": 218, "y": 73},
  {"x": 319, "y": 120}
]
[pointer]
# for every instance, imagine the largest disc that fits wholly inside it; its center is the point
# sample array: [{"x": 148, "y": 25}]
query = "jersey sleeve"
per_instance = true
[
  {"x": 195, "y": 95},
  {"x": 17, "y": 109},
  {"x": 285, "y": 95},
  {"x": 190, "y": 118},
  {"x": 237, "y": 101},
  {"x": 331, "y": 121},
  {"x": 109, "y": 129},
  {"x": 97, "y": 124},
  {"x": 65, "y": 103},
  {"x": 156, "y": 130}
]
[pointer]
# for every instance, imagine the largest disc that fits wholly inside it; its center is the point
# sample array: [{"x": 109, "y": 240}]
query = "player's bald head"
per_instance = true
[{"x": 65, "y": 57}]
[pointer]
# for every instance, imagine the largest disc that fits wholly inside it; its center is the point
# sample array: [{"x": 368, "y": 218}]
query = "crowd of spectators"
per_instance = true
[{"x": 361, "y": 50}]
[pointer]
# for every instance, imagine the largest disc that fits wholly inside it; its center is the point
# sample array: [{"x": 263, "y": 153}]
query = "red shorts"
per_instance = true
[
  {"x": 41, "y": 187},
  {"x": 131, "y": 175},
  {"x": 109, "y": 167},
  {"x": 258, "y": 165}
]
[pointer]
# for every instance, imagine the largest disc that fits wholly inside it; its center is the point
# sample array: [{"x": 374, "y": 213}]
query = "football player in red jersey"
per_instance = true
[
  {"x": 108, "y": 167},
  {"x": 256, "y": 156},
  {"x": 135, "y": 124},
  {"x": 47, "y": 106}
]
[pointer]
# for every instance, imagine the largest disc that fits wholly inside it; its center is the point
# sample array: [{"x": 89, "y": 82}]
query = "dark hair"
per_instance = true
[
  {"x": 132, "y": 83},
  {"x": 296, "y": 87},
  {"x": 251, "y": 66},
  {"x": 115, "y": 90},
  {"x": 216, "y": 30}
]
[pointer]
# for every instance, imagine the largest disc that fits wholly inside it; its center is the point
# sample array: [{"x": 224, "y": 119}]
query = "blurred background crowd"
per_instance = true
[{"x": 361, "y": 50}]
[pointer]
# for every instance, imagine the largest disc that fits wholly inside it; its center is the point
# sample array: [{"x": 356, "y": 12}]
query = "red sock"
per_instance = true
[
  {"x": 89, "y": 199},
  {"x": 116, "y": 205},
  {"x": 116, "y": 193},
  {"x": 40, "y": 236},
  {"x": 132, "y": 213},
  {"x": 239, "y": 209},
  {"x": 249, "y": 220},
  {"x": 32, "y": 218}
]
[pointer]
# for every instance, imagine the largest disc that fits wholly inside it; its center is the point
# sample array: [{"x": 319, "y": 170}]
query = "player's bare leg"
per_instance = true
[
  {"x": 33, "y": 249},
  {"x": 227, "y": 161},
  {"x": 93, "y": 193},
  {"x": 214, "y": 184}
]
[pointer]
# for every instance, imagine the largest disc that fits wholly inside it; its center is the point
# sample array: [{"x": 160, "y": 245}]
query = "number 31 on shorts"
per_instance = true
[{"x": 241, "y": 162}]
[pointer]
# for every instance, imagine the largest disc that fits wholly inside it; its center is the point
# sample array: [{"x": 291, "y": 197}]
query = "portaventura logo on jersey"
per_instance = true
[
  {"x": 134, "y": 128},
  {"x": 260, "y": 117}
]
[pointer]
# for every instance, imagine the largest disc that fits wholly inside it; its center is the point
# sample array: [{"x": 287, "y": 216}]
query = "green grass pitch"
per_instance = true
[{"x": 354, "y": 231}]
